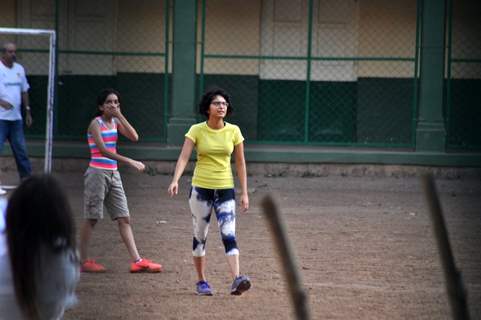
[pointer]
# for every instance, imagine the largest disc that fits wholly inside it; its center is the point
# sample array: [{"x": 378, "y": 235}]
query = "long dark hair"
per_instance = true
[
  {"x": 38, "y": 216},
  {"x": 207, "y": 98},
  {"x": 102, "y": 96}
]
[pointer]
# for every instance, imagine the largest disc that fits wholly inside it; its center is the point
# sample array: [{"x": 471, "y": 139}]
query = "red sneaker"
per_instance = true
[
  {"x": 145, "y": 265},
  {"x": 92, "y": 266}
]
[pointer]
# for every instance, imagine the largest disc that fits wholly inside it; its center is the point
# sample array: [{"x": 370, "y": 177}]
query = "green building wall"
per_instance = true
[{"x": 426, "y": 131}]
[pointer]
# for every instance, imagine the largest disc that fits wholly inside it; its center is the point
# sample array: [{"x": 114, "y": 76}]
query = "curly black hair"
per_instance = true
[{"x": 207, "y": 98}]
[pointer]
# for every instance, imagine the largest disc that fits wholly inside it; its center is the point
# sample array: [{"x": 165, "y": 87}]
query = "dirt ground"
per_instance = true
[{"x": 364, "y": 246}]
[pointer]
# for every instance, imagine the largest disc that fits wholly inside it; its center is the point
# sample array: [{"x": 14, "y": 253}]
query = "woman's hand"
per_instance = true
[
  {"x": 244, "y": 201},
  {"x": 173, "y": 189},
  {"x": 138, "y": 165},
  {"x": 115, "y": 110}
]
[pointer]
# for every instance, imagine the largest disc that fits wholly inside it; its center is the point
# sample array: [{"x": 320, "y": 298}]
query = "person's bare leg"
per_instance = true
[
  {"x": 128, "y": 237},
  {"x": 85, "y": 235},
  {"x": 199, "y": 264},
  {"x": 234, "y": 265},
  {"x": 240, "y": 283}
]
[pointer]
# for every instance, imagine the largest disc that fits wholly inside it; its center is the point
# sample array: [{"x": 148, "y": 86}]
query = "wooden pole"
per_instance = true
[
  {"x": 292, "y": 275},
  {"x": 454, "y": 281}
]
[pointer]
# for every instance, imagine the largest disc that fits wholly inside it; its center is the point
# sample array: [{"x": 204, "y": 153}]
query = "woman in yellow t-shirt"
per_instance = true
[{"x": 213, "y": 184}]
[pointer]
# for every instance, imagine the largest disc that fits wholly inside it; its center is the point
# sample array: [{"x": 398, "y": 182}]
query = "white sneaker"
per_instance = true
[{"x": 2, "y": 192}]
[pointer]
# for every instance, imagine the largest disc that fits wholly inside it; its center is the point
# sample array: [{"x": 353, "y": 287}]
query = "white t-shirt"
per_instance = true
[{"x": 12, "y": 83}]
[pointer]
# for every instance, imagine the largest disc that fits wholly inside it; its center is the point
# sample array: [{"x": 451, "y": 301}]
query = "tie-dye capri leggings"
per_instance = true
[{"x": 201, "y": 202}]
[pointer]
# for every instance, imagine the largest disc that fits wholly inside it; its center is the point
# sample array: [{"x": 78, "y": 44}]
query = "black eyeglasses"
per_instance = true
[{"x": 220, "y": 103}]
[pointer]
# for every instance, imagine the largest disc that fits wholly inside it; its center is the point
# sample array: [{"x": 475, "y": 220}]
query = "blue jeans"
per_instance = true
[{"x": 13, "y": 131}]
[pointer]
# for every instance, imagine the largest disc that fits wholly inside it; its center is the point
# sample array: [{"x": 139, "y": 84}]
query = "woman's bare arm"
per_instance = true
[
  {"x": 242, "y": 174},
  {"x": 180, "y": 166}
]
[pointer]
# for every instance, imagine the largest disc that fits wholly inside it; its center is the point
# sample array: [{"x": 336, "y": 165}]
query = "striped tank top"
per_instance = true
[{"x": 109, "y": 136}]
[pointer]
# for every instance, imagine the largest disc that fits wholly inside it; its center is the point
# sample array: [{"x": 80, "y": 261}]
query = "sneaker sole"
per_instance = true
[
  {"x": 242, "y": 287},
  {"x": 205, "y": 294},
  {"x": 146, "y": 271}
]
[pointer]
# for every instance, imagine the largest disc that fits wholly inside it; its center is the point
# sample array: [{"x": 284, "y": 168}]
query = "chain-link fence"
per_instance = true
[
  {"x": 463, "y": 110},
  {"x": 315, "y": 72},
  {"x": 324, "y": 72},
  {"x": 118, "y": 44}
]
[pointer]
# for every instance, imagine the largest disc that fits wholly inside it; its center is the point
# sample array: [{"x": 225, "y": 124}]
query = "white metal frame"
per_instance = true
[{"x": 50, "y": 87}]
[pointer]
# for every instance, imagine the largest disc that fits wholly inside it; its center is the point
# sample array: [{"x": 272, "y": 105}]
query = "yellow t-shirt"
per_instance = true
[{"x": 214, "y": 149}]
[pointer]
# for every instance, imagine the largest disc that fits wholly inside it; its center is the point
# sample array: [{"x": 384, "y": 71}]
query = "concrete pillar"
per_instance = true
[
  {"x": 183, "y": 71},
  {"x": 430, "y": 131}
]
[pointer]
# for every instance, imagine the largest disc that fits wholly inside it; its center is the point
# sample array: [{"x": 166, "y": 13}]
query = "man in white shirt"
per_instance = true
[{"x": 13, "y": 94}]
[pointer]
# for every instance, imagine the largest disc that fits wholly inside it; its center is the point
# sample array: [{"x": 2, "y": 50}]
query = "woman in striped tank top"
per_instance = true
[{"x": 103, "y": 185}]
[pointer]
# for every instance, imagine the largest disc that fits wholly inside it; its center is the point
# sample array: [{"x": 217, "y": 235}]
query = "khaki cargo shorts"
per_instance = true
[{"x": 104, "y": 188}]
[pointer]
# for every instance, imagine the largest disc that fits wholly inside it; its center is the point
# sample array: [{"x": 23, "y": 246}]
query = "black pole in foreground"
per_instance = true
[
  {"x": 454, "y": 281},
  {"x": 297, "y": 293}
]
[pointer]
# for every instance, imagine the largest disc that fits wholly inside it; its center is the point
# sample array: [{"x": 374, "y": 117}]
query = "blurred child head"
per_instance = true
[{"x": 38, "y": 216}]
